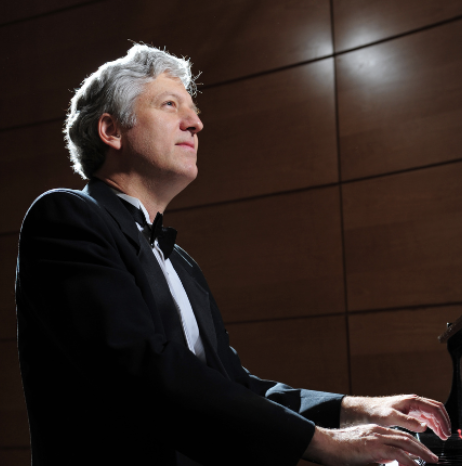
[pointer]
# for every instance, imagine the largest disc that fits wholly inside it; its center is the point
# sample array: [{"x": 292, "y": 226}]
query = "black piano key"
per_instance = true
[{"x": 448, "y": 452}]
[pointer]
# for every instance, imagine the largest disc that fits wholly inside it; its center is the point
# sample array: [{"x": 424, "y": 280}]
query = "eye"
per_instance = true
[{"x": 170, "y": 103}]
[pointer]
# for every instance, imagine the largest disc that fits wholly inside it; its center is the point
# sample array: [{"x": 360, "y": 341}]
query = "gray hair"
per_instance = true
[{"x": 113, "y": 89}]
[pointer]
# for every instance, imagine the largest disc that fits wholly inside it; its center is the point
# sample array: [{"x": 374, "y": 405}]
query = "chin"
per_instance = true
[
  {"x": 191, "y": 177},
  {"x": 191, "y": 172},
  {"x": 186, "y": 175}
]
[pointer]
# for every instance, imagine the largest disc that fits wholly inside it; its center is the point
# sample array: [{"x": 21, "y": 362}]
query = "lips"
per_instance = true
[{"x": 186, "y": 144}]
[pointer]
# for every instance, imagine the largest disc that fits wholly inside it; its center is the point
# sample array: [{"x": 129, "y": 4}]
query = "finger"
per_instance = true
[
  {"x": 388, "y": 454},
  {"x": 430, "y": 413},
  {"x": 433, "y": 423},
  {"x": 409, "y": 444},
  {"x": 403, "y": 458},
  {"x": 440, "y": 406},
  {"x": 435, "y": 409},
  {"x": 413, "y": 423}
]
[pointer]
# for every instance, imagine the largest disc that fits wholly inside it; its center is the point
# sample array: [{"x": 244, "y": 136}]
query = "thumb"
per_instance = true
[{"x": 408, "y": 422}]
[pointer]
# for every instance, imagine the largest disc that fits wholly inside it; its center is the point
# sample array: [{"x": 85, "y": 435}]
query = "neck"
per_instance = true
[{"x": 150, "y": 197}]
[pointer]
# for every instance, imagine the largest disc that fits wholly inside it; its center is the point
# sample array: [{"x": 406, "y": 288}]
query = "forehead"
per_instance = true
[{"x": 165, "y": 85}]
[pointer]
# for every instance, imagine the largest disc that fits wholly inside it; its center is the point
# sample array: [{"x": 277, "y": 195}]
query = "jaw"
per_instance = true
[{"x": 167, "y": 183}]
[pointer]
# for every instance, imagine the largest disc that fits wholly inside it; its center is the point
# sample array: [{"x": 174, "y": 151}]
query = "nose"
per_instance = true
[{"x": 191, "y": 122}]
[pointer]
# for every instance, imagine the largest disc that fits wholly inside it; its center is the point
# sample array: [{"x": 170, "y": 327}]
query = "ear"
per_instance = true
[{"x": 109, "y": 131}]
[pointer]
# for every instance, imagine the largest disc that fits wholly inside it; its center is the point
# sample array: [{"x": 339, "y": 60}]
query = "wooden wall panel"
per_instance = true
[
  {"x": 303, "y": 353},
  {"x": 244, "y": 37},
  {"x": 274, "y": 263},
  {"x": 282, "y": 139},
  {"x": 402, "y": 239},
  {"x": 15, "y": 457},
  {"x": 398, "y": 352},
  {"x": 360, "y": 22},
  {"x": 14, "y": 427},
  {"x": 400, "y": 103},
  {"x": 273, "y": 257},
  {"x": 268, "y": 134},
  {"x": 34, "y": 159},
  {"x": 26, "y": 9},
  {"x": 240, "y": 38},
  {"x": 58, "y": 55},
  {"x": 8, "y": 253}
]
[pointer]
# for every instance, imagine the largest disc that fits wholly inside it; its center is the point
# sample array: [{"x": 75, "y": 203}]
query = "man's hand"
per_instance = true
[
  {"x": 409, "y": 411},
  {"x": 361, "y": 445}
]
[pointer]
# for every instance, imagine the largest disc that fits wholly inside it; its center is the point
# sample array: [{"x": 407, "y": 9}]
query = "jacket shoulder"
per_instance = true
[
  {"x": 59, "y": 195},
  {"x": 62, "y": 206}
]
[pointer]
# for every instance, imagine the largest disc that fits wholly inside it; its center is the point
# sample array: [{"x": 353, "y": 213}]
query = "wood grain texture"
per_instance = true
[
  {"x": 269, "y": 258},
  {"x": 400, "y": 103},
  {"x": 398, "y": 352},
  {"x": 34, "y": 160},
  {"x": 303, "y": 353},
  {"x": 27, "y": 9},
  {"x": 277, "y": 133},
  {"x": 14, "y": 428},
  {"x": 360, "y": 22},
  {"x": 268, "y": 134},
  {"x": 13, "y": 457},
  {"x": 8, "y": 254},
  {"x": 226, "y": 40},
  {"x": 403, "y": 239}
]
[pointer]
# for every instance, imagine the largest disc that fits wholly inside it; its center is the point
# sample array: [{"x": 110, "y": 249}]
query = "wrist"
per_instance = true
[
  {"x": 353, "y": 411},
  {"x": 318, "y": 446}
]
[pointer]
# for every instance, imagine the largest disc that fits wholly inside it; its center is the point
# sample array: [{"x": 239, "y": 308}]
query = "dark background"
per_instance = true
[{"x": 327, "y": 214}]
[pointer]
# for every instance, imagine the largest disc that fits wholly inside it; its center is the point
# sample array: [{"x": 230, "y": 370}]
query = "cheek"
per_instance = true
[
  {"x": 144, "y": 141},
  {"x": 153, "y": 138}
]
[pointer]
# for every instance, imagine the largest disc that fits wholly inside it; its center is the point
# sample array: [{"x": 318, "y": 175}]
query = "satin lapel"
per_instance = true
[
  {"x": 105, "y": 197},
  {"x": 159, "y": 287},
  {"x": 161, "y": 292},
  {"x": 200, "y": 302},
  {"x": 199, "y": 299}
]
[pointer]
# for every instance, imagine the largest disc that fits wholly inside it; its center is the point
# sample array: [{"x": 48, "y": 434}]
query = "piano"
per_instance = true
[{"x": 450, "y": 452}]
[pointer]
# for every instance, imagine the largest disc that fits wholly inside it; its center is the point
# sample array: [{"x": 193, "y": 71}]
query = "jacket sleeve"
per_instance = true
[
  {"x": 74, "y": 284},
  {"x": 322, "y": 408}
]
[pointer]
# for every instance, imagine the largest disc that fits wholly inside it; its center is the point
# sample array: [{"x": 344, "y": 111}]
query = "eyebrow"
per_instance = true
[{"x": 162, "y": 95}]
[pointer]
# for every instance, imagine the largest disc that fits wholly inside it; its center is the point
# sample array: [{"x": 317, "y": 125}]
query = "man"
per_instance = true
[{"x": 124, "y": 357}]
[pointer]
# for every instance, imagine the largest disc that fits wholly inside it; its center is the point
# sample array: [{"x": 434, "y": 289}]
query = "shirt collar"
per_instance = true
[{"x": 133, "y": 201}]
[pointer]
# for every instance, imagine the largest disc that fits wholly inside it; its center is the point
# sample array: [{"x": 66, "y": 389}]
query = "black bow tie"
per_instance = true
[{"x": 165, "y": 236}]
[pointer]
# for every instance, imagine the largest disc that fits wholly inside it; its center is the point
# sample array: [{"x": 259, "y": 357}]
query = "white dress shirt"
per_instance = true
[{"x": 180, "y": 298}]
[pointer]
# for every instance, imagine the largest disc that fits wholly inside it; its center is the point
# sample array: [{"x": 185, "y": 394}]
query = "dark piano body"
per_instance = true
[{"x": 450, "y": 452}]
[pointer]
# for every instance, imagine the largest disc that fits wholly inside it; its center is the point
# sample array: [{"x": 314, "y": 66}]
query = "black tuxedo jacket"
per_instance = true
[{"x": 107, "y": 375}]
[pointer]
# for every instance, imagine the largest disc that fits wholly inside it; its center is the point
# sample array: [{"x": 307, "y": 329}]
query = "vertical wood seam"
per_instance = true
[{"x": 342, "y": 229}]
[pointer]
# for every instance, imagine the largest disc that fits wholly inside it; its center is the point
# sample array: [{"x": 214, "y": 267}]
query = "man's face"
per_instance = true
[{"x": 163, "y": 143}]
